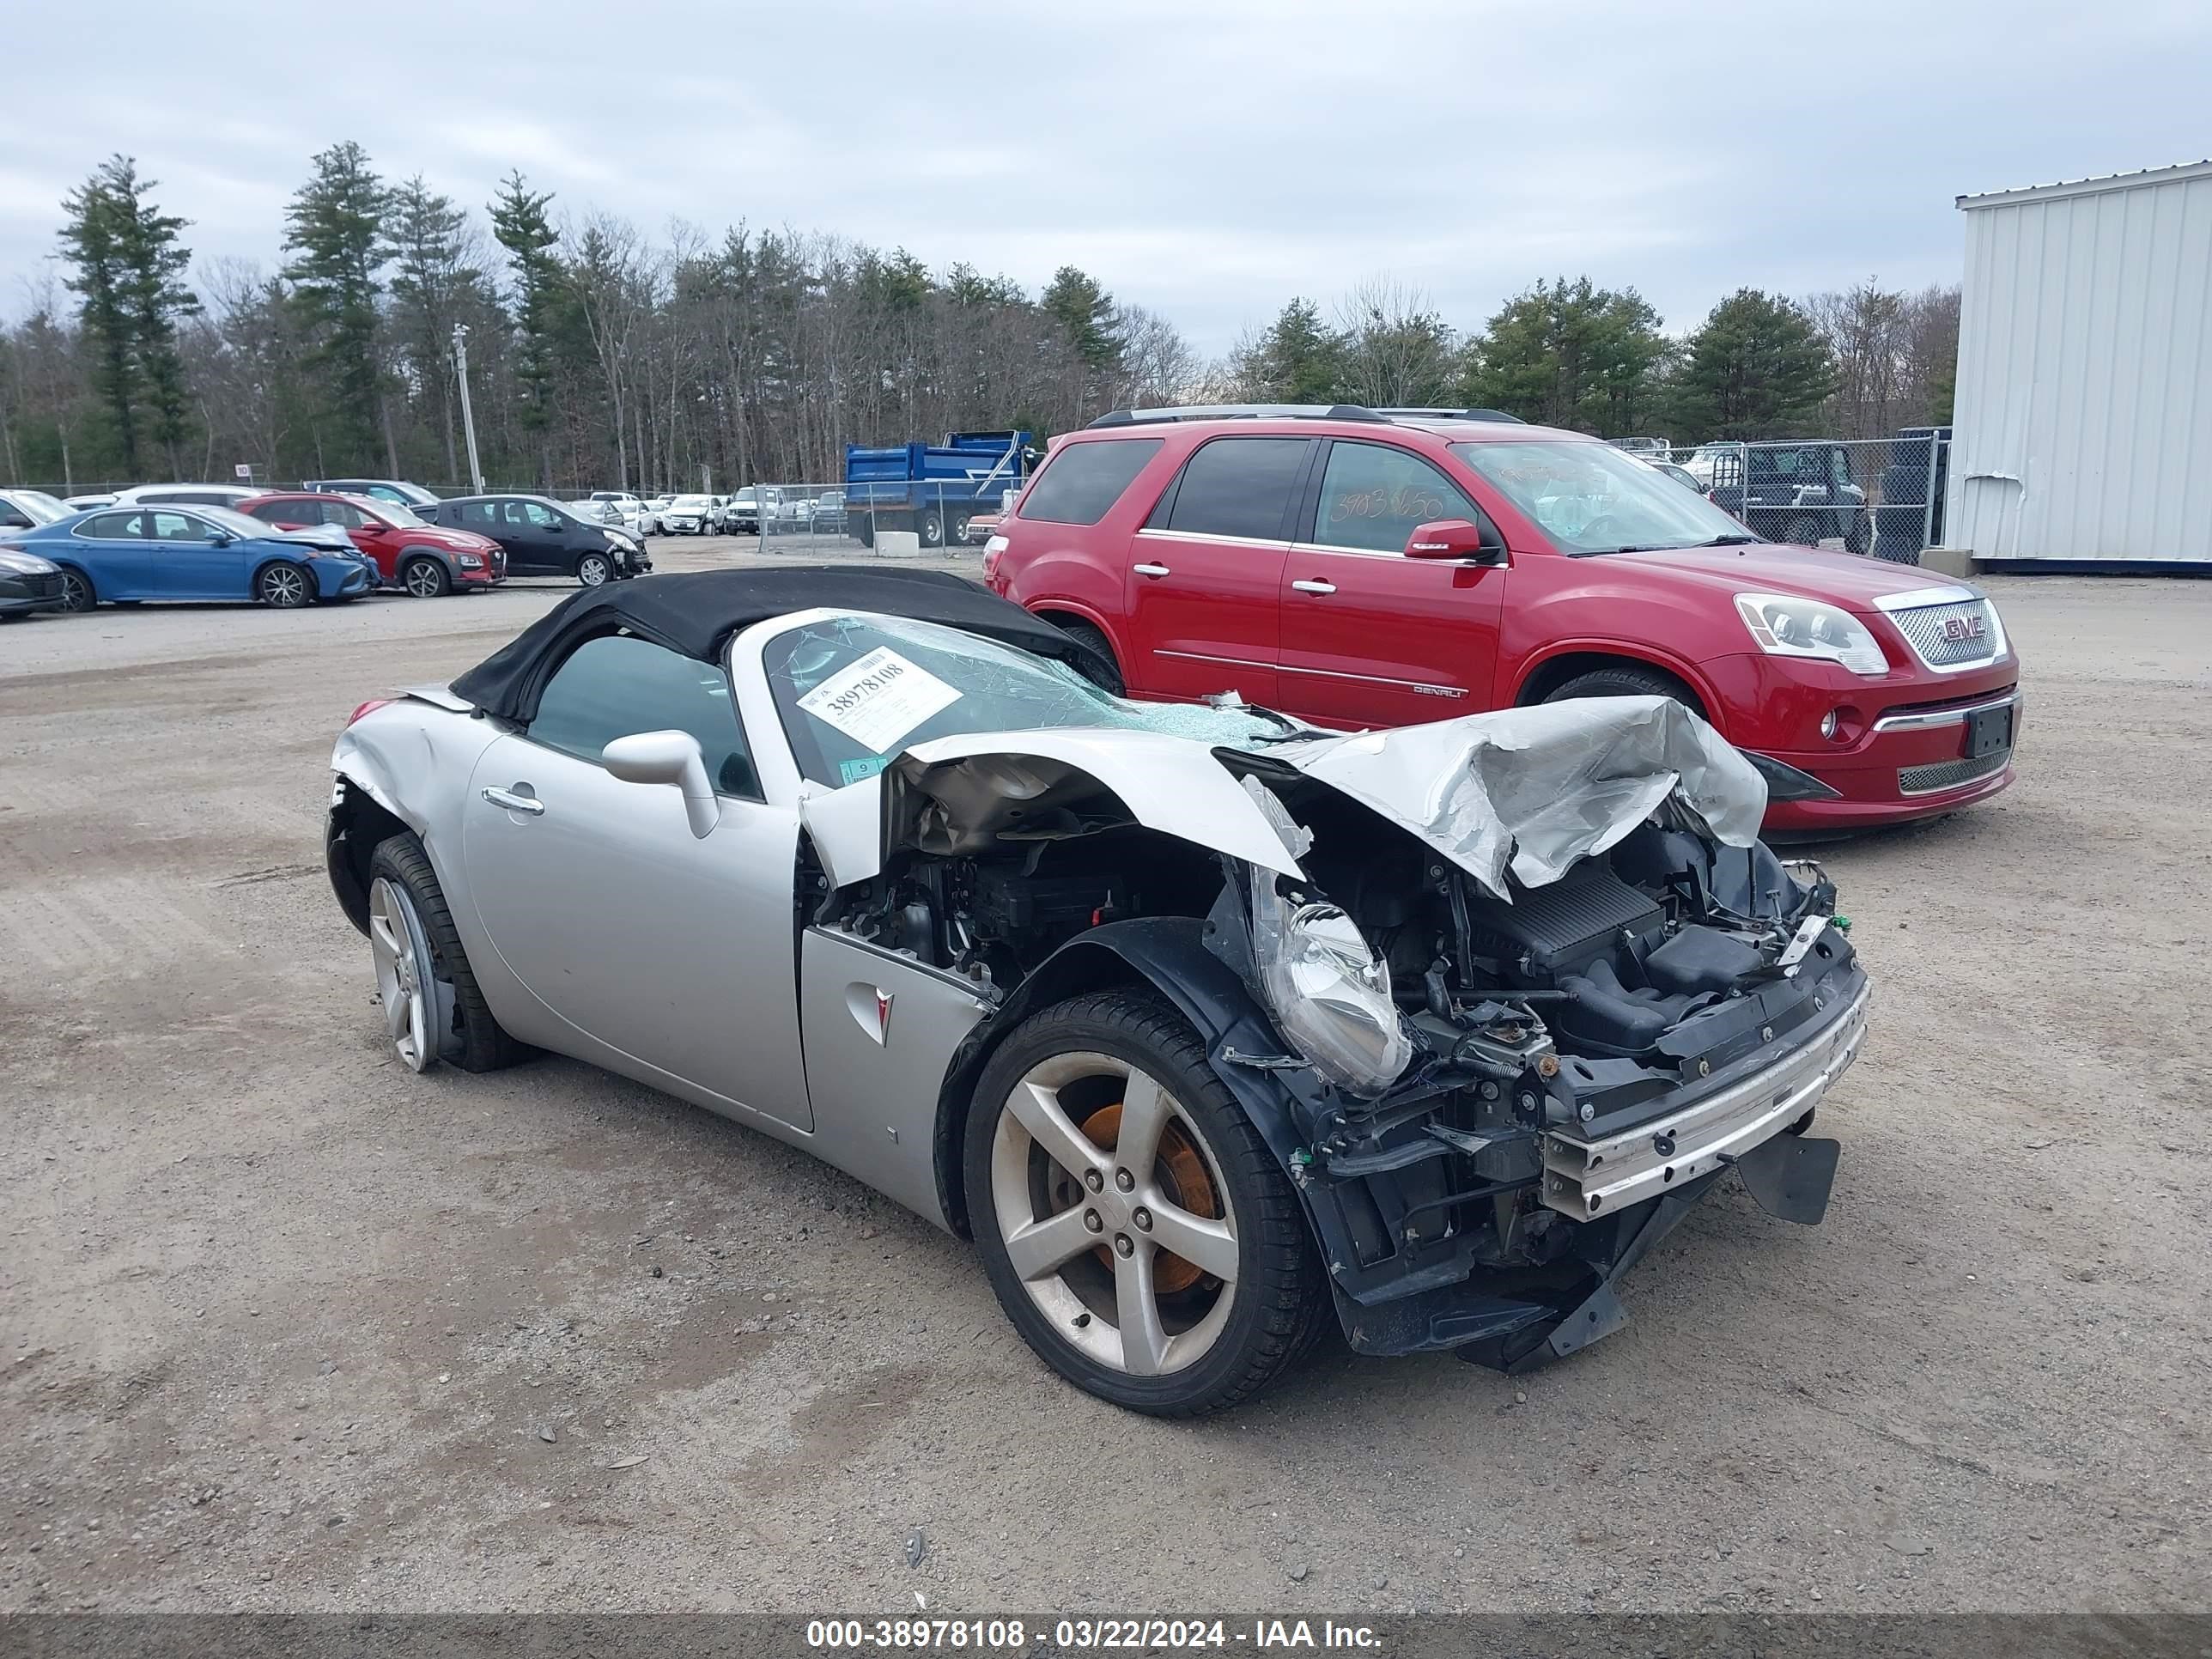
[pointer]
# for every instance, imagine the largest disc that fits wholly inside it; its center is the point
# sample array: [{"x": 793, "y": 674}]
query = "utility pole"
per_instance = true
[{"x": 468, "y": 415}]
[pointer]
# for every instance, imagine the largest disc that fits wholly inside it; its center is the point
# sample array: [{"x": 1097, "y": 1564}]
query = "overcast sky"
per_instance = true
[{"x": 1204, "y": 159}]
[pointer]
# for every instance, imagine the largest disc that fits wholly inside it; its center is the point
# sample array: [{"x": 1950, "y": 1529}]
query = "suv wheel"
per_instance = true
[
  {"x": 1111, "y": 679},
  {"x": 1628, "y": 680},
  {"x": 424, "y": 578}
]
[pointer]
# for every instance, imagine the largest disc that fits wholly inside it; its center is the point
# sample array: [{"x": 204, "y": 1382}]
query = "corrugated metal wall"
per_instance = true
[{"x": 2083, "y": 423}]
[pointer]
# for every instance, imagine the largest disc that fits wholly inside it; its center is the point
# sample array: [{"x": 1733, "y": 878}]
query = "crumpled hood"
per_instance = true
[
  {"x": 1529, "y": 791},
  {"x": 1761, "y": 568}
]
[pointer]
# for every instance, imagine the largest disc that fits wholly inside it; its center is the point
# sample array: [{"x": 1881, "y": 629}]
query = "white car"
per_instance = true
[
  {"x": 688, "y": 515},
  {"x": 617, "y": 507},
  {"x": 187, "y": 495}
]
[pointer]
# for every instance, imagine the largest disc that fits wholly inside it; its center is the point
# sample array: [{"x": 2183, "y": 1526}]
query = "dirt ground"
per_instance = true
[{"x": 284, "y": 1326}]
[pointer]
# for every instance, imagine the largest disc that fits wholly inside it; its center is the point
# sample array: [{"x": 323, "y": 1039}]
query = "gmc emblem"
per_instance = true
[{"x": 1957, "y": 631}]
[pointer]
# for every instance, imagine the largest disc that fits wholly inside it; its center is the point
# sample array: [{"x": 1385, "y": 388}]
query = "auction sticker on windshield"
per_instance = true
[{"x": 878, "y": 699}]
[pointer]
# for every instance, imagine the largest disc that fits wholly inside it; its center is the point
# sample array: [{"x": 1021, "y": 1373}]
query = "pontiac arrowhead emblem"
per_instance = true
[{"x": 882, "y": 1015}]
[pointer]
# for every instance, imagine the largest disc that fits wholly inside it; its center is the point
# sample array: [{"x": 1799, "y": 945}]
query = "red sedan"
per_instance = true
[
  {"x": 426, "y": 560},
  {"x": 1358, "y": 567}
]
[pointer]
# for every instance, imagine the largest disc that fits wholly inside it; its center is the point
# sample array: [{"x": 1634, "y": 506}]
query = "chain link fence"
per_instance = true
[
  {"x": 1881, "y": 497},
  {"x": 834, "y": 520}
]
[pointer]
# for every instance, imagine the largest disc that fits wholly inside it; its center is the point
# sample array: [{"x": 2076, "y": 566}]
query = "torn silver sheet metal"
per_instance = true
[
  {"x": 966, "y": 794},
  {"x": 1529, "y": 791}
]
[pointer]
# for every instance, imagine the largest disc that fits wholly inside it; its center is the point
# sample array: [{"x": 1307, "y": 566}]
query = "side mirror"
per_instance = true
[
  {"x": 1453, "y": 538},
  {"x": 221, "y": 539},
  {"x": 668, "y": 757}
]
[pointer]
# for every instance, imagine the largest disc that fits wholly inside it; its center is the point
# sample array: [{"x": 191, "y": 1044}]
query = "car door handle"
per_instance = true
[
  {"x": 1315, "y": 586},
  {"x": 1152, "y": 570},
  {"x": 514, "y": 803}
]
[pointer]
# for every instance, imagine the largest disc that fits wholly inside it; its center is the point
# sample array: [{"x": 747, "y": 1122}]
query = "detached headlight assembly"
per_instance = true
[
  {"x": 27, "y": 564},
  {"x": 1784, "y": 626},
  {"x": 1329, "y": 994}
]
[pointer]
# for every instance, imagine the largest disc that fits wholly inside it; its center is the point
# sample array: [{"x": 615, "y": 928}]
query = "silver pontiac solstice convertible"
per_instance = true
[{"x": 1208, "y": 1027}]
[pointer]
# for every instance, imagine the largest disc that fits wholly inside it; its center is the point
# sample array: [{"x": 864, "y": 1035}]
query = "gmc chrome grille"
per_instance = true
[
  {"x": 1950, "y": 774},
  {"x": 1955, "y": 634}
]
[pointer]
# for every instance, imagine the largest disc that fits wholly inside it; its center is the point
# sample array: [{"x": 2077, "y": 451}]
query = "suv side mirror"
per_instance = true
[
  {"x": 1454, "y": 538},
  {"x": 668, "y": 757}
]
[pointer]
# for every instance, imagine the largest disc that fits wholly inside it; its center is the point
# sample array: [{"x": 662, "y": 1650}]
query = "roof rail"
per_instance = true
[
  {"x": 1451, "y": 415},
  {"x": 1243, "y": 412}
]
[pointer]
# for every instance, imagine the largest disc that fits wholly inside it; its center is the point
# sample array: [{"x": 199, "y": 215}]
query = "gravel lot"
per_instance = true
[{"x": 283, "y": 1326}]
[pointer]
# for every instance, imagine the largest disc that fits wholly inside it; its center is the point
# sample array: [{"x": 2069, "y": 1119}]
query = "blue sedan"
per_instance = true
[{"x": 191, "y": 553}]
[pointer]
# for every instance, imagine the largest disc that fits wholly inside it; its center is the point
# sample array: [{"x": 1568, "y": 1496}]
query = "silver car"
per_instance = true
[{"x": 1211, "y": 1028}]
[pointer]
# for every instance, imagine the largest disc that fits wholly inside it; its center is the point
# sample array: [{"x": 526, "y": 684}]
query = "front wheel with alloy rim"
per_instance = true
[
  {"x": 1135, "y": 1228},
  {"x": 594, "y": 569},
  {"x": 76, "y": 591},
  {"x": 433, "y": 1007},
  {"x": 284, "y": 586},
  {"x": 929, "y": 530},
  {"x": 425, "y": 578}
]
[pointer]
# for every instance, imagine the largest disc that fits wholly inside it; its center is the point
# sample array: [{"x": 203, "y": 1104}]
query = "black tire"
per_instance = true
[
  {"x": 13, "y": 615},
  {"x": 956, "y": 528},
  {"x": 929, "y": 529},
  {"x": 1803, "y": 532},
  {"x": 1281, "y": 1300},
  {"x": 1096, "y": 638},
  {"x": 1628, "y": 680},
  {"x": 425, "y": 578},
  {"x": 595, "y": 569},
  {"x": 77, "y": 590},
  {"x": 283, "y": 585},
  {"x": 865, "y": 532},
  {"x": 482, "y": 1045}
]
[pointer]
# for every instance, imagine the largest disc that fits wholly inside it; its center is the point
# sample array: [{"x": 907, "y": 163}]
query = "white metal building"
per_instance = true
[{"x": 2082, "y": 429}]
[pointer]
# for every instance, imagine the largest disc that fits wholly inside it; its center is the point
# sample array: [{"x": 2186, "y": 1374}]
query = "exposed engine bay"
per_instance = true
[{"x": 1481, "y": 1086}]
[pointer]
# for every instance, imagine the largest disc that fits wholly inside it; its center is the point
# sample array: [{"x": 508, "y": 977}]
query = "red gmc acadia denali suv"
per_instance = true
[{"x": 1359, "y": 568}]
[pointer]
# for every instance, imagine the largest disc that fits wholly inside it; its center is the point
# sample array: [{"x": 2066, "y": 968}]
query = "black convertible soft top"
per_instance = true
[{"x": 696, "y": 612}]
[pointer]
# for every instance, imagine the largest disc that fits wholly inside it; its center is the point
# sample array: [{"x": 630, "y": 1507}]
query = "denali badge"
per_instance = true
[{"x": 1957, "y": 631}]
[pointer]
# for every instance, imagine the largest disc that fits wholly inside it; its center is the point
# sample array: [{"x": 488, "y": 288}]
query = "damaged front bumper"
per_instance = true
[
  {"x": 1620, "y": 1193},
  {"x": 1587, "y": 1177}
]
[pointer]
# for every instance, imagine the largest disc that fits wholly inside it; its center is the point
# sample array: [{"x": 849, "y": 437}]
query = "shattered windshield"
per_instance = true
[{"x": 855, "y": 691}]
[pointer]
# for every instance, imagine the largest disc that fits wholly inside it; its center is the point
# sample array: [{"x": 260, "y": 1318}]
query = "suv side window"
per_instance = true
[
  {"x": 1081, "y": 483},
  {"x": 1373, "y": 496},
  {"x": 1237, "y": 487},
  {"x": 345, "y": 515},
  {"x": 616, "y": 686}
]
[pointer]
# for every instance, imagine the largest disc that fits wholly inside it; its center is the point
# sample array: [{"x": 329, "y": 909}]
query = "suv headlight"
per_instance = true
[
  {"x": 1330, "y": 995},
  {"x": 1784, "y": 626},
  {"x": 27, "y": 564}
]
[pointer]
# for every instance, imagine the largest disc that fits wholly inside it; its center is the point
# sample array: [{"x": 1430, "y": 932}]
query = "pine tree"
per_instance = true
[
  {"x": 519, "y": 221},
  {"x": 335, "y": 228},
  {"x": 1297, "y": 360},
  {"x": 1086, "y": 311},
  {"x": 1758, "y": 368},
  {"x": 1569, "y": 355},
  {"x": 91, "y": 242}
]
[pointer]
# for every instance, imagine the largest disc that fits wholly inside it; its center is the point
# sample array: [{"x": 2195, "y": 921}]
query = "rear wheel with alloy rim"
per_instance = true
[
  {"x": 929, "y": 529},
  {"x": 594, "y": 569},
  {"x": 1136, "y": 1229},
  {"x": 284, "y": 586},
  {"x": 425, "y": 578},
  {"x": 76, "y": 591}
]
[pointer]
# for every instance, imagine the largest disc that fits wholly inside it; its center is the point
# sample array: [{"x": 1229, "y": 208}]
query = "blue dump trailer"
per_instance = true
[{"x": 933, "y": 489}]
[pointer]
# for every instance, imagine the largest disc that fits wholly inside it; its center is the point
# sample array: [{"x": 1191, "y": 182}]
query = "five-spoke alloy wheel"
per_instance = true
[{"x": 1138, "y": 1232}]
